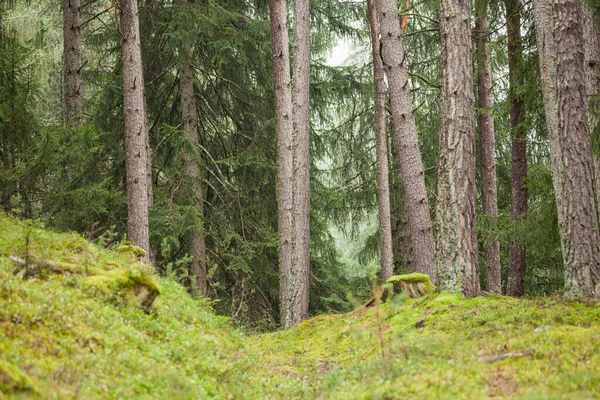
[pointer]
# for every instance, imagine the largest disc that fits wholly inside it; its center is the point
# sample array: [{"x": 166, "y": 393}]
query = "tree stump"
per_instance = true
[{"x": 415, "y": 284}]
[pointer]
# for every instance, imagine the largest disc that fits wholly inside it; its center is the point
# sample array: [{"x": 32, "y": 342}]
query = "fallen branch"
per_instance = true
[
  {"x": 33, "y": 268},
  {"x": 504, "y": 356},
  {"x": 112, "y": 280}
]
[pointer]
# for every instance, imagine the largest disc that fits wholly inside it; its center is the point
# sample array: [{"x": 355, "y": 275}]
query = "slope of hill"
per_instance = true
[
  {"x": 75, "y": 322},
  {"x": 81, "y": 334}
]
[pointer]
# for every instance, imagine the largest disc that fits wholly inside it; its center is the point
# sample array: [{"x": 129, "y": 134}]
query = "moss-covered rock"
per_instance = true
[
  {"x": 415, "y": 284},
  {"x": 12, "y": 379}
]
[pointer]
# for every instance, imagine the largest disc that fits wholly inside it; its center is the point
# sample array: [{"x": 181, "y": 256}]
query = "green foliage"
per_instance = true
[{"x": 18, "y": 94}]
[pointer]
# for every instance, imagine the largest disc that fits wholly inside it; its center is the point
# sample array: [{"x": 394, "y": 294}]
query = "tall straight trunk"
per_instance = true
[
  {"x": 570, "y": 156},
  {"x": 299, "y": 282},
  {"x": 383, "y": 181},
  {"x": 406, "y": 140},
  {"x": 192, "y": 163},
  {"x": 458, "y": 268},
  {"x": 546, "y": 44},
  {"x": 580, "y": 233},
  {"x": 148, "y": 5},
  {"x": 591, "y": 43},
  {"x": 285, "y": 156},
  {"x": 485, "y": 103},
  {"x": 518, "y": 259},
  {"x": 73, "y": 81},
  {"x": 136, "y": 129}
]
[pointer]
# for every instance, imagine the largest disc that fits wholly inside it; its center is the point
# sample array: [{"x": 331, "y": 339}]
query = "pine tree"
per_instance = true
[
  {"x": 485, "y": 103},
  {"x": 406, "y": 140},
  {"x": 136, "y": 129},
  {"x": 73, "y": 81},
  {"x": 458, "y": 268},
  {"x": 299, "y": 277},
  {"x": 580, "y": 234},
  {"x": 560, "y": 46},
  {"x": 591, "y": 43},
  {"x": 284, "y": 127},
  {"x": 191, "y": 161},
  {"x": 518, "y": 259},
  {"x": 547, "y": 52},
  {"x": 383, "y": 182}
]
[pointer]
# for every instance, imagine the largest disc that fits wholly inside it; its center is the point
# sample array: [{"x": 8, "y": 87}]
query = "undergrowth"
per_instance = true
[{"x": 64, "y": 337}]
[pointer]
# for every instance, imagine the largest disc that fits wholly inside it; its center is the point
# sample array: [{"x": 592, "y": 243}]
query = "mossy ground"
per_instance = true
[
  {"x": 83, "y": 335},
  {"x": 64, "y": 338}
]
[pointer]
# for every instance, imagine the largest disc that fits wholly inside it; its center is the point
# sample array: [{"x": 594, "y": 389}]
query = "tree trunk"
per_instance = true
[
  {"x": 383, "y": 182},
  {"x": 73, "y": 81},
  {"x": 518, "y": 260},
  {"x": 285, "y": 157},
  {"x": 591, "y": 42},
  {"x": 406, "y": 140},
  {"x": 488, "y": 144},
  {"x": 458, "y": 268},
  {"x": 299, "y": 282},
  {"x": 400, "y": 233},
  {"x": 136, "y": 129},
  {"x": 580, "y": 234},
  {"x": 546, "y": 44},
  {"x": 192, "y": 163}
]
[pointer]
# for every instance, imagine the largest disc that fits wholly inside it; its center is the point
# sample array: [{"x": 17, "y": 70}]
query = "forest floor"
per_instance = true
[{"x": 74, "y": 329}]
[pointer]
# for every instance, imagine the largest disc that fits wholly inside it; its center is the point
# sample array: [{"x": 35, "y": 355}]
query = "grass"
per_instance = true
[{"x": 64, "y": 335}]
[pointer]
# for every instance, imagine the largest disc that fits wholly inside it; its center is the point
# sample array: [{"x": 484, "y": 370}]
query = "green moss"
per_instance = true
[
  {"x": 410, "y": 278},
  {"x": 128, "y": 249},
  {"x": 12, "y": 379},
  {"x": 126, "y": 281},
  {"x": 119, "y": 279},
  {"x": 421, "y": 284},
  {"x": 75, "y": 342}
]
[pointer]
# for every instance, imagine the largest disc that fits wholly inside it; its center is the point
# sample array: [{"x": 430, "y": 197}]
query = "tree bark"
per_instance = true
[
  {"x": 564, "y": 100},
  {"x": 285, "y": 157},
  {"x": 458, "y": 268},
  {"x": 73, "y": 80},
  {"x": 136, "y": 129},
  {"x": 580, "y": 234},
  {"x": 192, "y": 163},
  {"x": 406, "y": 140},
  {"x": 400, "y": 233},
  {"x": 488, "y": 143},
  {"x": 383, "y": 181},
  {"x": 546, "y": 44},
  {"x": 591, "y": 42},
  {"x": 518, "y": 253},
  {"x": 299, "y": 282}
]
